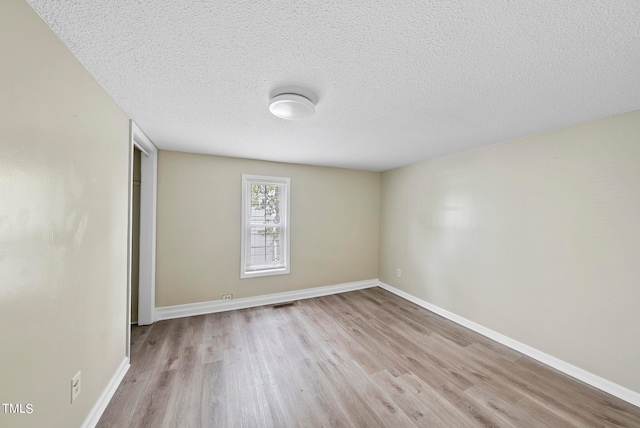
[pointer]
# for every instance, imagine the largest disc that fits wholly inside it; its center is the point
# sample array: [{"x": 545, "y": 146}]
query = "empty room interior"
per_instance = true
[{"x": 299, "y": 213}]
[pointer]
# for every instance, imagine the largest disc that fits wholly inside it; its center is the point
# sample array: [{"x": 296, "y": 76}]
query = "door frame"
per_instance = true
[{"x": 148, "y": 207}]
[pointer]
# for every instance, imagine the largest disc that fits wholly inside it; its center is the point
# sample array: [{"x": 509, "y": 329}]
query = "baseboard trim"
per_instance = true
[
  {"x": 98, "y": 408},
  {"x": 551, "y": 361},
  {"x": 202, "y": 308}
]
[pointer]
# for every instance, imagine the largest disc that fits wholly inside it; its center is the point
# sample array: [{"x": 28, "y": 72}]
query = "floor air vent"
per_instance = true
[{"x": 284, "y": 305}]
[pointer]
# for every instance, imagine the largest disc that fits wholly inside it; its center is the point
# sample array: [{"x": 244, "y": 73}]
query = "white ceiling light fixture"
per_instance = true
[{"x": 292, "y": 107}]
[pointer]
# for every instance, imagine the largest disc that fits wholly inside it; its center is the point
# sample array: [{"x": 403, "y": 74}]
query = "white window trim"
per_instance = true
[{"x": 247, "y": 181}]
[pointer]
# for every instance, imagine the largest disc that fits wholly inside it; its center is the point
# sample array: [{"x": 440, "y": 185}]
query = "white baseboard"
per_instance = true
[
  {"x": 558, "y": 364},
  {"x": 98, "y": 409},
  {"x": 191, "y": 309}
]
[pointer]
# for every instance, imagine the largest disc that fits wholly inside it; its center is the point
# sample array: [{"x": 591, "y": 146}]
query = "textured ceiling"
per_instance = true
[{"x": 395, "y": 81}]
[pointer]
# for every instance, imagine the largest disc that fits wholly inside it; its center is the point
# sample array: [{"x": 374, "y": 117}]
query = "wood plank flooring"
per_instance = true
[{"x": 366, "y": 359}]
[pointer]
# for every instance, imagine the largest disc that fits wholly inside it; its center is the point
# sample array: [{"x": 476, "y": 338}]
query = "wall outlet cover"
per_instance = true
[{"x": 75, "y": 386}]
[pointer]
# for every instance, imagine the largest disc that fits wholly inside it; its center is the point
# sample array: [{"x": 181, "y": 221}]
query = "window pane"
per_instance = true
[
  {"x": 265, "y": 246},
  {"x": 265, "y": 204}
]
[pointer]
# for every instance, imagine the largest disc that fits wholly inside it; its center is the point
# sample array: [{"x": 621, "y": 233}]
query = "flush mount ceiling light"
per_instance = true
[{"x": 292, "y": 107}]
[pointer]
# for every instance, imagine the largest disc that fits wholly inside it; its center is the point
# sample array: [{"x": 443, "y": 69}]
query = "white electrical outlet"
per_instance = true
[
  {"x": 227, "y": 296},
  {"x": 75, "y": 386},
  {"x": 398, "y": 273}
]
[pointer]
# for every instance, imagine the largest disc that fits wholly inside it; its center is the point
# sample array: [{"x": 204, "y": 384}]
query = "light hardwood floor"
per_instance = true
[{"x": 366, "y": 358}]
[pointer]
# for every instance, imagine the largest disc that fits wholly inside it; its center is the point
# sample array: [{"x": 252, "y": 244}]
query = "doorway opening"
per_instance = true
[
  {"x": 142, "y": 231},
  {"x": 135, "y": 234}
]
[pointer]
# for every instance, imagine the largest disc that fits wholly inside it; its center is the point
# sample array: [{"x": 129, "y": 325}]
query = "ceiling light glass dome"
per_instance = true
[{"x": 292, "y": 107}]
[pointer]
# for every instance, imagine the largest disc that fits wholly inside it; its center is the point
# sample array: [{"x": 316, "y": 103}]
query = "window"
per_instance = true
[{"x": 265, "y": 226}]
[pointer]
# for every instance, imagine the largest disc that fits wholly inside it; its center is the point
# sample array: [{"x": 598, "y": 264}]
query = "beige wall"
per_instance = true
[
  {"x": 537, "y": 239},
  {"x": 334, "y": 227},
  {"x": 63, "y": 226}
]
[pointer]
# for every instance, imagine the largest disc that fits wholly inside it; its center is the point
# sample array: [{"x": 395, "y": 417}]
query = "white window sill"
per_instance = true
[{"x": 264, "y": 272}]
